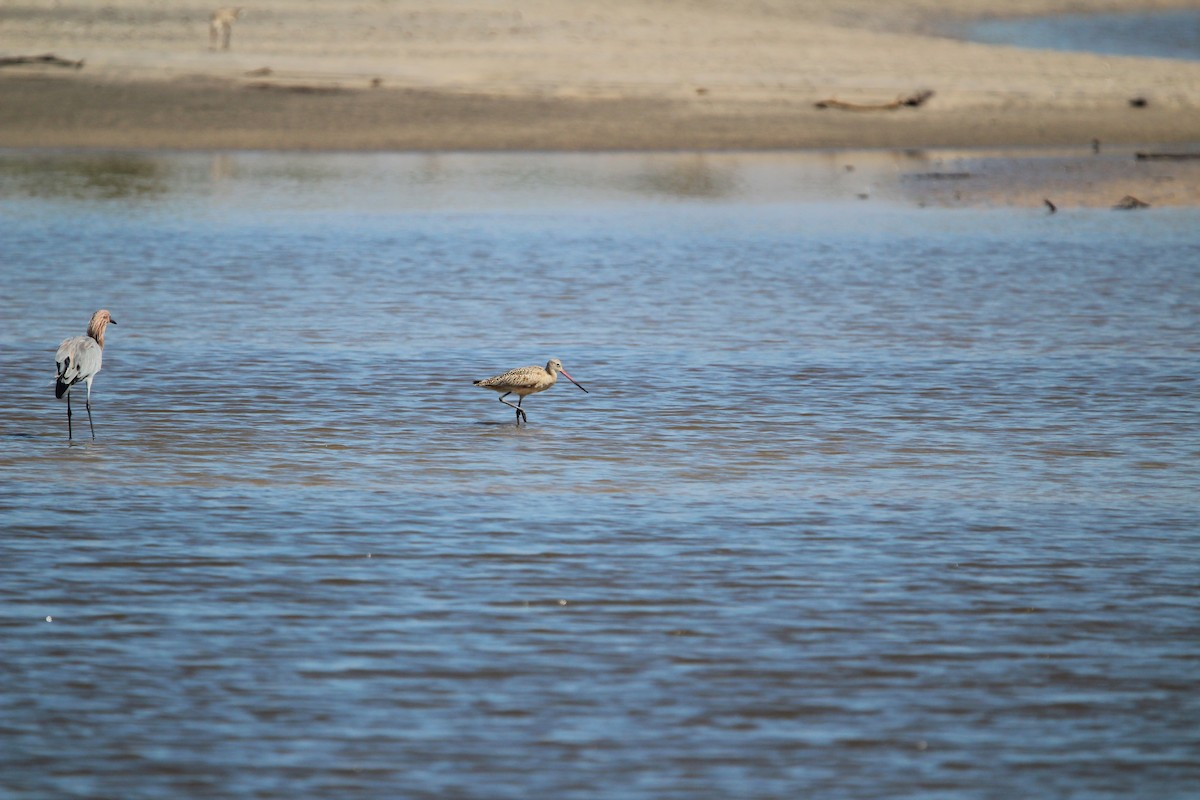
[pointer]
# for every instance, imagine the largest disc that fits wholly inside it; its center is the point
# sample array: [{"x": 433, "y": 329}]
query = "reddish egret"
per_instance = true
[{"x": 78, "y": 360}]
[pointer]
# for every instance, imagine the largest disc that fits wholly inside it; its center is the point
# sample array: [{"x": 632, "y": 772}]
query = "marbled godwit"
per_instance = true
[
  {"x": 526, "y": 380},
  {"x": 78, "y": 360}
]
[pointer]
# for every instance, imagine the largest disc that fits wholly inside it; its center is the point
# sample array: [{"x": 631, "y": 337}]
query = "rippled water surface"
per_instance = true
[{"x": 866, "y": 500}]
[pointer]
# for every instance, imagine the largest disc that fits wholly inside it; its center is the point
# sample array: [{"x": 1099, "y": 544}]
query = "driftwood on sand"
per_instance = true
[
  {"x": 911, "y": 101},
  {"x": 48, "y": 58}
]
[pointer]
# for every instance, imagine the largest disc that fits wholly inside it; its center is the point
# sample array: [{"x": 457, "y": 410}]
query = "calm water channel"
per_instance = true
[
  {"x": 1160, "y": 34},
  {"x": 867, "y": 500}
]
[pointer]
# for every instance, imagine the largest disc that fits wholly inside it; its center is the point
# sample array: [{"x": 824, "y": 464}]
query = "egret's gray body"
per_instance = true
[
  {"x": 78, "y": 360},
  {"x": 525, "y": 381}
]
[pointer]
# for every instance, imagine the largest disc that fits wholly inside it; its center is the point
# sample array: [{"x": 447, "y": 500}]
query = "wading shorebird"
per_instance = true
[
  {"x": 526, "y": 380},
  {"x": 78, "y": 360},
  {"x": 220, "y": 26}
]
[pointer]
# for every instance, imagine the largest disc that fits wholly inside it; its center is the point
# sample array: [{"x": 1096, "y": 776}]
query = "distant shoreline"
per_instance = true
[{"x": 541, "y": 75}]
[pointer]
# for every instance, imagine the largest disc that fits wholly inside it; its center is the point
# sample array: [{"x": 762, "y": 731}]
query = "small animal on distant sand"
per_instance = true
[
  {"x": 526, "y": 380},
  {"x": 221, "y": 26},
  {"x": 1129, "y": 202},
  {"x": 78, "y": 360}
]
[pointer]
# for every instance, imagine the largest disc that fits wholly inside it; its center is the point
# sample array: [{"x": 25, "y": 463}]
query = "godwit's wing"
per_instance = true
[{"x": 515, "y": 380}]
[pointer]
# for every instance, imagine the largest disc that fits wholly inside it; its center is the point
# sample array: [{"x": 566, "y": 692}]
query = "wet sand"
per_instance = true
[
  {"x": 199, "y": 113},
  {"x": 552, "y": 75}
]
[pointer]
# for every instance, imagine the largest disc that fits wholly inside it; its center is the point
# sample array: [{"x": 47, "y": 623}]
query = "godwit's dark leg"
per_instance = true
[{"x": 520, "y": 413}]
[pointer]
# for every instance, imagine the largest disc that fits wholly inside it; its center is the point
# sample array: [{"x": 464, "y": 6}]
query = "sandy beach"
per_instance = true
[{"x": 555, "y": 75}]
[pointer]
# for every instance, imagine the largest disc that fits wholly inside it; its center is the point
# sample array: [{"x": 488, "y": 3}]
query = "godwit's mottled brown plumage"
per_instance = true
[
  {"x": 78, "y": 360},
  {"x": 526, "y": 380}
]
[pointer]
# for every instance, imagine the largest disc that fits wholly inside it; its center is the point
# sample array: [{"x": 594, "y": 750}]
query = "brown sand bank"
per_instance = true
[{"x": 559, "y": 75}]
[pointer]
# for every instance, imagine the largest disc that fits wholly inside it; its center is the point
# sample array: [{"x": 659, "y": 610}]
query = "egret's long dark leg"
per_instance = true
[
  {"x": 520, "y": 411},
  {"x": 68, "y": 416},
  {"x": 88, "y": 404}
]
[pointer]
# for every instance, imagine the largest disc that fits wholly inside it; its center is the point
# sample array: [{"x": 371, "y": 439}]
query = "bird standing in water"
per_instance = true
[
  {"x": 78, "y": 360},
  {"x": 524, "y": 381}
]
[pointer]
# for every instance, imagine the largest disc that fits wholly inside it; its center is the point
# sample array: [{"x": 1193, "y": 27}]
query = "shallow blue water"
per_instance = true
[
  {"x": 866, "y": 500},
  {"x": 1161, "y": 34}
]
